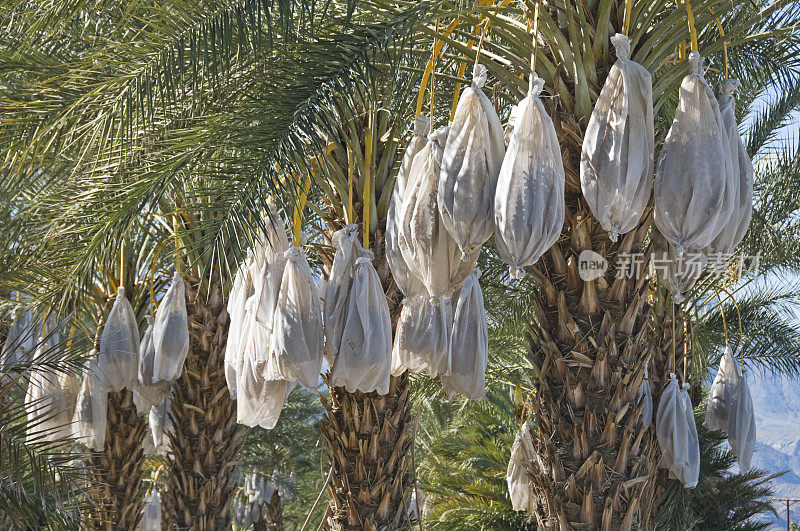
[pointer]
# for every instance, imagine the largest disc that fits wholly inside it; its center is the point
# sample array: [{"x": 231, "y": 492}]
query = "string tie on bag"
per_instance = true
[
  {"x": 729, "y": 86},
  {"x": 439, "y": 135},
  {"x": 535, "y": 85},
  {"x": 622, "y": 45},
  {"x": 349, "y": 231},
  {"x": 292, "y": 253},
  {"x": 516, "y": 272},
  {"x": 365, "y": 258},
  {"x": 422, "y": 126},
  {"x": 686, "y": 386},
  {"x": 614, "y": 235},
  {"x": 696, "y": 63},
  {"x": 479, "y": 75},
  {"x": 478, "y": 272},
  {"x": 121, "y": 292}
]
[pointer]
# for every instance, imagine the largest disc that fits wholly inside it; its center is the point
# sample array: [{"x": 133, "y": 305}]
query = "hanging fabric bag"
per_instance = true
[
  {"x": 617, "y": 153},
  {"x": 471, "y": 161},
  {"x": 529, "y": 203}
]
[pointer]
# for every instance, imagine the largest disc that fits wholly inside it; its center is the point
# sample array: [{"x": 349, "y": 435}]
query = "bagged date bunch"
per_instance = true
[
  {"x": 519, "y": 484},
  {"x": 617, "y": 154},
  {"x": 119, "y": 345},
  {"x": 471, "y": 161},
  {"x": 171, "y": 333},
  {"x": 695, "y": 193},
  {"x": 677, "y": 434},
  {"x": 469, "y": 343},
  {"x": 364, "y": 359},
  {"x": 529, "y": 202}
]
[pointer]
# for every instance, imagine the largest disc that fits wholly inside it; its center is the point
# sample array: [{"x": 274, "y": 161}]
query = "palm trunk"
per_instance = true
[
  {"x": 369, "y": 440},
  {"x": 206, "y": 437},
  {"x": 116, "y": 473},
  {"x": 595, "y": 466}
]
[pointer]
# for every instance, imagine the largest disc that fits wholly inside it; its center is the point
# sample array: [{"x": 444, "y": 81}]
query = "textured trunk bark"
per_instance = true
[
  {"x": 369, "y": 439},
  {"x": 206, "y": 437},
  {"x": 117, "y": 470},
  {"x": 595, "y": 465}
]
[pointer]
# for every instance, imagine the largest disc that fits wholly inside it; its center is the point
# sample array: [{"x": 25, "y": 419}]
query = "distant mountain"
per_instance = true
[{"x": 776, "y": 401}]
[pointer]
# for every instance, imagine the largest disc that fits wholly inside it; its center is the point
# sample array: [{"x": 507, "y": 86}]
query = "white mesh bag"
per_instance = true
[
  {"x": 337, "y": 290},
  {"x": 50, "y": 398},
  {"x": 742, "y": 176},
  {"x": 519, "y": 484},
  {"x": 171, "y": 333},
  {"x": 617, "y": 153},
  {"x": 148, "y": 393},
  {"x": 160, "y": 426},
  {"x": 471, "y": 163},
  {"x": 267, "y": 286},
  {"x": 469, "y": 343},
  {"x": 297, "y": 332},
  {"x": 678, "y": 272},
  {"x": 270, "y": 254},
  {"x": 423, "y": 336},
  {"x": 259, "y": 401},
  {"x": 364, "y": 360},
  {"x": 151, "y": 512},
  {"x": 722, "y": 393},
  {"x": 408, "y": 283},
  {"x": 693, "y": 187},
  {"x": 20, "y": 340},
  {"x": 529, "y": 203},
  {"x": 645, "y": 395},
  {"x": 241, "y": 290},
  {"x": 677, "y": 434},
  {"x": 742, "y": 425},
  {"x": 91, "y": 407},
  {"x": 119, "y": 345},
  {"x": 427, "y": 247}
]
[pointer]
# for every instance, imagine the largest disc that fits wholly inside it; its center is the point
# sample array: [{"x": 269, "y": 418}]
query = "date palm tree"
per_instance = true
[{"x": 198, "y": 110}]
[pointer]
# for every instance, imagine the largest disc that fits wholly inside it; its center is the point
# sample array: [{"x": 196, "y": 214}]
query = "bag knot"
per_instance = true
[
  {"x": 696, "y": 63},
  {"x": 535, "y": 85},
  {"x": 479, "y": 75},
  {"x": 622, "y": 45},
  {"x": 422, "y": 126},
  {"x": 516, "y": 272},
  {"x": 729, "y": 86}
]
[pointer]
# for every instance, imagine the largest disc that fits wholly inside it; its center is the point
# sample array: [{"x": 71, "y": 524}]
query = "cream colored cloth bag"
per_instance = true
[
  {"x": 171, "y": 333},
  {"x": 471, "y": 163},
  {"x": 742, "y": 425},
  {"x": 119, "y": 345},
  {"x": 91, "y": 407},
  {"x": 617, "y": 154},
  {"x": 742, "y": 176},
  {"x": 408, "y": 283},
  {"x": 364, "y": 359},
  {"x": 520, "y": 488},
  {"x": 529, "y": 202},
  {"x": 337, "y": 290},
  {"x": 722, "y": 394},
  {"x": 469, "y": 343},
  {"x": 422, "y": 339},
  {"x": 677, "y": 434},
  {"x": 694, "y": 188},
  {"x": 297, "y": 333}
]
